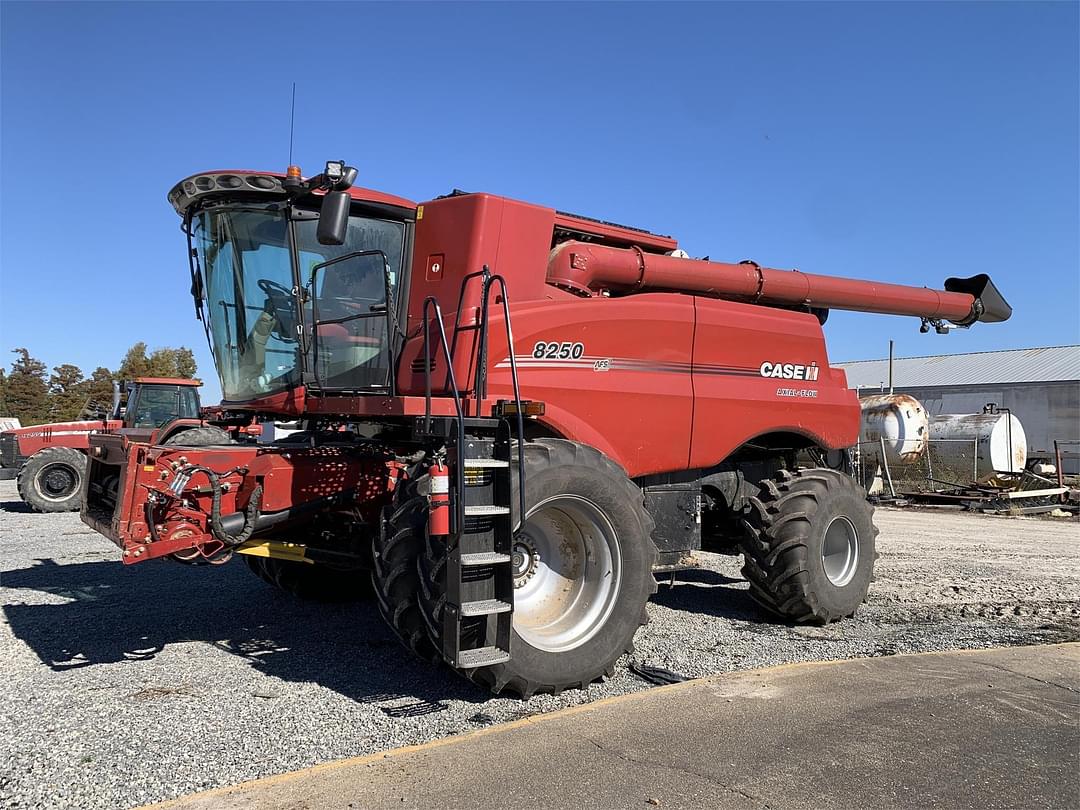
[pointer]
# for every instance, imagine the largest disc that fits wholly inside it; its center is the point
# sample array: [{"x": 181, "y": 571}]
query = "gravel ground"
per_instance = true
[{"x": 124, "y": 685}]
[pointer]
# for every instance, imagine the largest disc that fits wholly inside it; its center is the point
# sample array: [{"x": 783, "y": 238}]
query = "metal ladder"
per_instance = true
[{"x": 478, "y": 612}]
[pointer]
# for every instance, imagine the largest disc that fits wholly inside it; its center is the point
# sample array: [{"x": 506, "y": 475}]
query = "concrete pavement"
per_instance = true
[{"x": 971, "y": 729}]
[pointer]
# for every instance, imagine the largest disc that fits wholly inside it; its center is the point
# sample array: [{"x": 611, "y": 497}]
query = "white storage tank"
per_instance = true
[
  {"x": 897, "y": 420},
  {"x": 982, "y": 443}
]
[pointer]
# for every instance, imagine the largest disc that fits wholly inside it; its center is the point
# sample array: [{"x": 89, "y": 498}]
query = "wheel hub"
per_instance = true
[
  {"x": 57, "y": 481},
  {"x": 567, "y": 567},
  {"x": 840, "y": 551},
  {"x": 523, "y": 559}
]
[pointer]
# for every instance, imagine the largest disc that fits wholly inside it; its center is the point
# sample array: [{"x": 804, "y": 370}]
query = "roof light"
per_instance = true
[
  {"x": 335, "y": 170},
  {"x": 293, "y": 171}
]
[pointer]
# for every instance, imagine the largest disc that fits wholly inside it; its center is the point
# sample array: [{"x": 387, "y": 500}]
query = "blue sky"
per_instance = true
[{"x": 905, "y": 142}]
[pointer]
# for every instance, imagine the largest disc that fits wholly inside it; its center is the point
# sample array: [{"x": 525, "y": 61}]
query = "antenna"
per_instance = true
[{"x": 292, "y": 120}]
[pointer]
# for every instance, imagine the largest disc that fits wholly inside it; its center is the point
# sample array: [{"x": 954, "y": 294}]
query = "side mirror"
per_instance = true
[{"x": 334, "y": 218}]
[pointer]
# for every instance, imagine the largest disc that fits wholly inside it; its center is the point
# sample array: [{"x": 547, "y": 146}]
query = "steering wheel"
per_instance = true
[{"x": 279, "y": 301}]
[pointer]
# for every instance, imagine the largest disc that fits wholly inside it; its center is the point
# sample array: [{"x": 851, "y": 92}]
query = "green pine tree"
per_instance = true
[
  {"x": 26, "y": 391},
  {"x": 67, "y": 393}
]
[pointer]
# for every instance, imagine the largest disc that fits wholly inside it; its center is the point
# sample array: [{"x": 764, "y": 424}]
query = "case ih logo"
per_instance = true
[{"x": 790, "y": 371}]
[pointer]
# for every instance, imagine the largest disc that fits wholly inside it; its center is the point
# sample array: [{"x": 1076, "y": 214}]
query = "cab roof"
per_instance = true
[
  {"x": 219, "y": 181},
  {"x": 167, "y": 381}
]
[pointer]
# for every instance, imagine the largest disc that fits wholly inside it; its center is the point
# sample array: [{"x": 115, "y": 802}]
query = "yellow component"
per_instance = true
[
  {"x": 275, "y": 549},
  {"x": 149, "y": 468},
  {"x": 419, "y": 212}
]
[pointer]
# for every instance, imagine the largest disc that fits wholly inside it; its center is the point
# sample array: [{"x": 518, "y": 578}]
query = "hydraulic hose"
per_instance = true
[{"x": 217, "y": 526}]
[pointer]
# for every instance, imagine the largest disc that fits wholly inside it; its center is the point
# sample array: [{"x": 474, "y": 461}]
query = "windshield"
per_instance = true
[
  {"x": 260, "y": 343},
  {"x": 157, "y": 404}
]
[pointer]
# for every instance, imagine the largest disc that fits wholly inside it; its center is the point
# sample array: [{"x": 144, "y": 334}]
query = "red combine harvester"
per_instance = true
[
  {"x": 512, "y": 491},
  {"x": 50, "y": 460}
]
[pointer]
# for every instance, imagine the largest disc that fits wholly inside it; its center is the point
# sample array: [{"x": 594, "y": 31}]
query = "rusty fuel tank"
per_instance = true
[
  {"x": 983, "y": 443},
  {"x": 897, "y": 421}
]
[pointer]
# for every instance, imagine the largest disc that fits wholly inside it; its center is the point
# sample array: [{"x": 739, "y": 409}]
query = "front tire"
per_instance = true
[
  {"x": 396, "y": 548},
  {"x": 809, "y": 547},
  {"x": 51, "y": 480},
  {"x": 583, "y": 574},
  {"x": 312, "y": 582}
]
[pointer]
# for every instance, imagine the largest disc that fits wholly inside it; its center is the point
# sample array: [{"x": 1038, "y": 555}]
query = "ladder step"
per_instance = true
[
  {"x": 485, "y": 510},
  {"x": 484, "y": 558},
  {"x": 485, "y": 607},
  {"x": 474, "y": 463},
  {"x": 481, "y": 657}
]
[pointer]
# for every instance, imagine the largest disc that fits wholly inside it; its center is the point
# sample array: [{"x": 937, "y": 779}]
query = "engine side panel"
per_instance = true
[
  {"x": 759, "y": 370},
  {"x": 634, "y": 378}
]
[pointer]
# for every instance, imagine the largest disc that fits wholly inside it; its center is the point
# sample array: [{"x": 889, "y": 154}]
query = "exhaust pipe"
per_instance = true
[{"x": 115, "y": 399}]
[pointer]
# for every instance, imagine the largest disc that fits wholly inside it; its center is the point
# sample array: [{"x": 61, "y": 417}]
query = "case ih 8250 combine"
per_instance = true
[{"x": 510, "y": 492}]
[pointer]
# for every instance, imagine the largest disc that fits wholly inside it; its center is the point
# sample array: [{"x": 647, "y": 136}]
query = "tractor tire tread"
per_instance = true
[
  {"x": 775, "y": 562},
  {"x": 25, "y": 478}
]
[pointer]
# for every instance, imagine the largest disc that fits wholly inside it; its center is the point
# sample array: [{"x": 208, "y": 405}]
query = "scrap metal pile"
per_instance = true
[{"x": 975, "y": 460}]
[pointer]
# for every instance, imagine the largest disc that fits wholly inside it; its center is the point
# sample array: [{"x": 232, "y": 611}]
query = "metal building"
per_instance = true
[{"x": 1040, "y": 386}]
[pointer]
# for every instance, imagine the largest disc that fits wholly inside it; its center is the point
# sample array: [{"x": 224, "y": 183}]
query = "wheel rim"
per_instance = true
[
  {"x": 840, "y": 551},
  {"x": 567, "y": 572},
  {"x": 57, "y": 481}
]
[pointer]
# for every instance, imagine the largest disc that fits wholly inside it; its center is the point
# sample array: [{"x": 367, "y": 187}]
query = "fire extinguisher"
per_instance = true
[{"x": 439, "y": 500}]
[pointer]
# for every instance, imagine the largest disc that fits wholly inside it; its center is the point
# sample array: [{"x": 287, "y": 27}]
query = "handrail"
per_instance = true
[
  {"x": 459, "y": 505},
  {"x": 488, "y": 282},
  {"x": 479, "y": 388},
  {"x": 461, "y": 300}
]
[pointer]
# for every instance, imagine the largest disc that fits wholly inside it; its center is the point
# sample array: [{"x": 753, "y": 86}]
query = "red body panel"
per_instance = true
[
  {"x": 667, "y": 382},
  {"x": 60, "y": 434},
  {"x": 734, "y": 403}
]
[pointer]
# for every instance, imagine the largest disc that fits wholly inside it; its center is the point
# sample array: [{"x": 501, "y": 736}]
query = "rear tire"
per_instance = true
[
  {"x": 312, "y": 582},
  {"x": 809, "y": 545},
  {"x": 584, "y": 580},
  {"x": 51, "y": 480}
]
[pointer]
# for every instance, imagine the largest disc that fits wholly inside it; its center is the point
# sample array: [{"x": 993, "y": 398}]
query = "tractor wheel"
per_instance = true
[
  {"x": 311, "y": 582},
  {"x": 51, "y": 480},
  {"x": 397, "y": 546},
  {"x": 583, "y": 572},
  {"x": 809, "y": 545},
  {"x": 200, "y": 437}
]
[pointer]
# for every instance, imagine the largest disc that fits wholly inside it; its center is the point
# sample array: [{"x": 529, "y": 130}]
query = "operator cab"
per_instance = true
[
  {"x": 153, "y": 402},
  {"x": 290, "y": 298}
]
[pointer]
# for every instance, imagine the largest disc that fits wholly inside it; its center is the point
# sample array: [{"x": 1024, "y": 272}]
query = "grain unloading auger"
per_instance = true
[
  {"x": 589, "y": 268},
  {"x": 514, "y": 418}
]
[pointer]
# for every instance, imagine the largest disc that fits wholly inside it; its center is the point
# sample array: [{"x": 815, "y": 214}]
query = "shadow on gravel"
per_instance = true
[
  {"x": 122, "y": 613},
  {"x": 703, "y": 591},
  {"x": 15, "y": 506}
]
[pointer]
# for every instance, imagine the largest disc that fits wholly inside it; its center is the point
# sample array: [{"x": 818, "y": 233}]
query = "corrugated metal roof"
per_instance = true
[{"x": 1047, "y": 364}]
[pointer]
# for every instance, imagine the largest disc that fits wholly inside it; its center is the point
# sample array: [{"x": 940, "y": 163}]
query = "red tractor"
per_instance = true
[
  {"x": 514, "y": 418},
  {"x": 49, "y": 461}
]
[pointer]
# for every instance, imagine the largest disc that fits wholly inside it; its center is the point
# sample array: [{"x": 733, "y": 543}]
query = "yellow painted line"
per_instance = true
[{"x": 536, "y": 719}]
